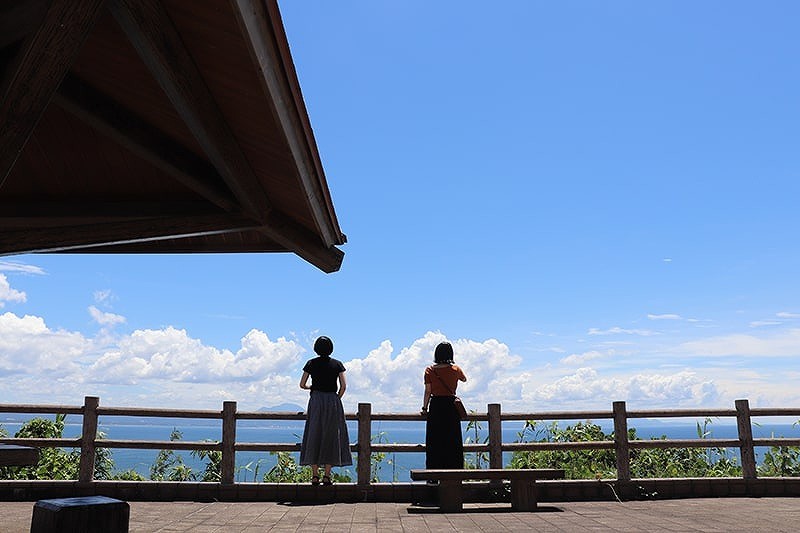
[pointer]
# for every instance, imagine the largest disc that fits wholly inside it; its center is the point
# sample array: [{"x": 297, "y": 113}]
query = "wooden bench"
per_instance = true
[
  {"x": 88, "y": 514},
  {"x": 12, "y": 455},
  {"x": 523, "y": 484}
]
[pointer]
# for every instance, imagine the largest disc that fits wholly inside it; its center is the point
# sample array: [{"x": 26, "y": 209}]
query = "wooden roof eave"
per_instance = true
[
  {"x": 269, "y": 50},
  {"x": 151, "y": 31},
  {"x": 55, "y": 32}
]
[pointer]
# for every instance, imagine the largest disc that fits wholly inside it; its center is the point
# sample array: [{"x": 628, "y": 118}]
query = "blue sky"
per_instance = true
[{"x": 594, "y": 201}]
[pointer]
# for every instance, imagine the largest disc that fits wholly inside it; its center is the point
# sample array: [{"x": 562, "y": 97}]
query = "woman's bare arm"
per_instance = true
[{"x": 426, "y": 397}]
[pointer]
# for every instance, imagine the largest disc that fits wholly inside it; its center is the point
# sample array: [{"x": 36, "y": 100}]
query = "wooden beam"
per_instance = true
[
  {"x": 157, "y": 41},
  {"x": 86, "y": 236},
  {"x": 18, "y": 19},
  {"x": 254, "y": 20},
  {"x": 186, "y": 245},
  {"x": 137, "y": 236},
  {"x": 303, "y": 242},
  {"x": 34, "y": 76},
  {"x": 326, "y": 259},
  {"x": 57, "y": 212},
  {"x": 144, "y": 140}
]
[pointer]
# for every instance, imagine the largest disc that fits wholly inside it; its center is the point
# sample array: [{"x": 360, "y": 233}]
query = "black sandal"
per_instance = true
[
  {"x": 315, "y": 480},
  {"x": 326, "y": 480}
]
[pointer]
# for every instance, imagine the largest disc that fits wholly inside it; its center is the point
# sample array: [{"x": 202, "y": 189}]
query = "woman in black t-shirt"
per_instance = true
[{"x": 325, "y": 438}]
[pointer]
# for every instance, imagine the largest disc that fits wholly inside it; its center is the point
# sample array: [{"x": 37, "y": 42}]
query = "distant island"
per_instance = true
[{"x": 283, "y": 407}]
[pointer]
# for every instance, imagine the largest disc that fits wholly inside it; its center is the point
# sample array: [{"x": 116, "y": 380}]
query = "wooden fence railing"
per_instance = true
[{"x": 364, "y": 447}]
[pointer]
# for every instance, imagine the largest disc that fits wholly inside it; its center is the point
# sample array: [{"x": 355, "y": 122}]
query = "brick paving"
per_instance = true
[{"x": 701, "y": 514}]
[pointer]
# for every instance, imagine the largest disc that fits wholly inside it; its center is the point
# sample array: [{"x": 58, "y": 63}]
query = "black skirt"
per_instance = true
[{"x": 444, "y": 447}]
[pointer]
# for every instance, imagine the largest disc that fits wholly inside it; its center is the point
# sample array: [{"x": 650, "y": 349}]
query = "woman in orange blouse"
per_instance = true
[{"x": 444, "y": 447}]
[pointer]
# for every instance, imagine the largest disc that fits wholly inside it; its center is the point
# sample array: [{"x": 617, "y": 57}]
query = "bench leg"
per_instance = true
[
  {"x": 523, "y": 495},
  {"x": 450, "y": 495}
]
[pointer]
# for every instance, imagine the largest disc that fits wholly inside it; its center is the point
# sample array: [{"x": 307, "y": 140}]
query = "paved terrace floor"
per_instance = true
[{"x": 718, "y": 514}]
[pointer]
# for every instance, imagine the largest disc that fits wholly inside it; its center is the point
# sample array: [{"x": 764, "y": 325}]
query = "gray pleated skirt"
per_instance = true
[{"x": 325, "y": 438}]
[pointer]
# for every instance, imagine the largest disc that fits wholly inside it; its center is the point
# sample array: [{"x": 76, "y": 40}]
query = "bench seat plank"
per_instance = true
[
  {"x": 489, "y": 473},
  {"x": 523, "y": 484}
]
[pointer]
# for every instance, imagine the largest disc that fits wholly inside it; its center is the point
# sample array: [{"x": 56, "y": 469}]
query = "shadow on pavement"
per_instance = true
[{"x": 432, "y": 508}]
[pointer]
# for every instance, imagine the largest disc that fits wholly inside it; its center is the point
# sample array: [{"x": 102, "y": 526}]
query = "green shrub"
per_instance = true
[{"x": 599, "y": 464}]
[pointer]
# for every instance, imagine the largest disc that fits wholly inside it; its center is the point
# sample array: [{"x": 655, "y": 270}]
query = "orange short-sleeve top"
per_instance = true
[{"x": 447, "y": 381}]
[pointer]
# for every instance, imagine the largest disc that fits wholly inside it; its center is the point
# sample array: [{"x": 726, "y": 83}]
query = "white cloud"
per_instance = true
[
  {"x": 28, "y": 346},
  {"x": 273, "y": 390},
  {"x": 683, "y": 387},
  {"x": 581, "y": 358},
  {"x": 781, "y": 344},
  {"x": 762, "y": 323},
  {"x": 171, "y": 355},
  {"x": 23, "y": 268},
  {"x": 105, "y": 319},
  {"x": 170, "y": 368},
  {"x": 7, "y": 294},
  {"x": 621, "y": 331},
  {"x": 389, "y": 382},
  {"x": 784, "y": 314},
  {"x": 667, "y": 316}
]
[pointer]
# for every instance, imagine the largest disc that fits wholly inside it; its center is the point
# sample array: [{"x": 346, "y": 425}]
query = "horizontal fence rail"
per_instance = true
[{"x": 364, "y": 447}]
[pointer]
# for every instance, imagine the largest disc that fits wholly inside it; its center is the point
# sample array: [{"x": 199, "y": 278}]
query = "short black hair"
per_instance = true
[
  {"x": 443, "y": 353},
  {"x": 323, "y": 346}
]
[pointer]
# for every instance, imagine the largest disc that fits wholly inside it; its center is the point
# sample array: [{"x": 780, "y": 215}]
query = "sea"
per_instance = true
[{"x": 251, "y": 466}]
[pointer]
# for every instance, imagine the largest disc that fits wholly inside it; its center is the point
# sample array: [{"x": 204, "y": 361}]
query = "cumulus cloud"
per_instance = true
[
  {"x": 105, "y": 319},
  {"x": 172, "y": 355},
  {"x": 8, "y": 294},
  {"x": 621, "y": 331},
  {"x": 169, "y": 367},
  {"x": 389, "y": 381},
  {"x": 684, "y": 387},
  {"x": 28, "y": 345}
]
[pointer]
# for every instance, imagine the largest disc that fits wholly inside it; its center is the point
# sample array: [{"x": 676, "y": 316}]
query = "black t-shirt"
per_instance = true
[{"x": 324, "y": 372}]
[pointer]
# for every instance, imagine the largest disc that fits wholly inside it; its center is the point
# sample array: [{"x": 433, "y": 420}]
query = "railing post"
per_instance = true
[
  {"x": 495, "y": 436},
  {"x": 88, "y": 435},
  {"x": 495, "y": 441},
  {"x": 621, "y": 448},
  {"x": 364, "y": 443},
  {"x": 228, "y": 441},
  {"x": 746, "y": 449}
]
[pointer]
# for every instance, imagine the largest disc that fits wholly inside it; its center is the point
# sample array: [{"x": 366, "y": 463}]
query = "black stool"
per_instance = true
[{"x": 88, "y": 514}]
